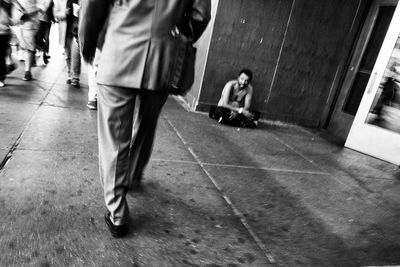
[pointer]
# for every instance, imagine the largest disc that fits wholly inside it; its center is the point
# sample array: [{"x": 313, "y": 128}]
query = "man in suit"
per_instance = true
[{"x": 133, "y": 68}]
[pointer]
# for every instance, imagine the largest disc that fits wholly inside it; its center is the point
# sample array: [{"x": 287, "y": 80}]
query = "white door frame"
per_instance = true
[{"x": 367, "y": 138}]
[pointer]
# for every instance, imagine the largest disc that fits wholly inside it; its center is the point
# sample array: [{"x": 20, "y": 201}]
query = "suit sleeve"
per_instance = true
[
  {"x": 92, "y": 17},
  {"x": 199, "y": 18}
]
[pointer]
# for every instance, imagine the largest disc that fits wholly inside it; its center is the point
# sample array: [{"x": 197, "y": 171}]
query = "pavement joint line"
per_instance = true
[
  {"x": 298, "y": 153},
  {"x": 15, "y": 145},
  {"x": 241, "y": 166},
  {"x": 56, "y": 106},
  {"x": 265, "y": 168},
  {"x": 58, "y": 151},
  {"x": 236, "y": 211},
  {"x": 310, "y": 161},
  {"x": 189, "y": 162}
]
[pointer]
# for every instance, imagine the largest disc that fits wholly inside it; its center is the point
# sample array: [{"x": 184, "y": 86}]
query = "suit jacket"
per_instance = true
[{"x": 138, "y": 45}]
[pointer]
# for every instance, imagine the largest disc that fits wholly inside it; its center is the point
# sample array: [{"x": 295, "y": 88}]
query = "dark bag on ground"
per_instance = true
[{"x": 181, "y": 75}]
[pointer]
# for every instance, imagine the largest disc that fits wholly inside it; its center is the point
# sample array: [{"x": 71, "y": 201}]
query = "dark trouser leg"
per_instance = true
[
  {"x": 256, "y": 114},
  {"x": 243, "y": 121},
  {"x": 221, "y": 112},
  {"x": 75, "y": 68},
  {"x": 150, "y": 105},
  {"x": 4, "y": 39},
  {"x": 40, "y": 36},
  {"x": 226, "y": 116},
  {"x": 46, "y": 38},
  {"x": 211, "y": 112},
  {"x": 67, "y": 53}
]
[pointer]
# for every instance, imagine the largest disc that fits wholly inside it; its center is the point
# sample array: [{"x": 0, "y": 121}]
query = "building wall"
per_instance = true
[
  {"x": 294, "y": 47},
  {"x": 202, "y": 45}
]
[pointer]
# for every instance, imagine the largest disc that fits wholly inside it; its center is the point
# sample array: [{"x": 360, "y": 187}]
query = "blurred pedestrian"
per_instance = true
[
  {"x": 92, "y": 72},
  {"x": 5, "y": 34},
  {"x": 29, "y": 24},
  {"x": 134, "y": 65},
  {"x": 389, "y": 89},
  {"x": 63, "y": 14},
  {"x": 43, "y": 34},
  {"x": 73, "y": 53},
  {"x": 93, "y": 87}
]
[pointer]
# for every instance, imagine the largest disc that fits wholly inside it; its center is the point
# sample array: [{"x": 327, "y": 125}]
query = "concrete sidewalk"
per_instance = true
[{"x": 214, "y": 195}]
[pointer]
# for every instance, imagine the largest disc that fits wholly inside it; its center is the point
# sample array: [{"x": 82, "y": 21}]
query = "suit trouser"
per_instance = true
[{"x": 126, "y": 135}]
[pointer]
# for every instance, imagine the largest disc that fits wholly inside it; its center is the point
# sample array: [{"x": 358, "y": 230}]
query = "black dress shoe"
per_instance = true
[{"x": 116, "y": 231}]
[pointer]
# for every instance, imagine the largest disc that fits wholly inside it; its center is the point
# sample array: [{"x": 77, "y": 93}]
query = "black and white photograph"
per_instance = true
[{"x": 210, "y": 133}]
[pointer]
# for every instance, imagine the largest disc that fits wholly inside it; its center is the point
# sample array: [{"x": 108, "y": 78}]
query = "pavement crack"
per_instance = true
[
  {"x": 15, "y": 145},
  {"x": 54, "y": 105},
  {"x": 10, "y": 152}
]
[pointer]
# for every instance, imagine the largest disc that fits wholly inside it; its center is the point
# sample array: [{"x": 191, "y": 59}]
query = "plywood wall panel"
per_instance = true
[
  {"x": 246, "y": 34},
  {"x": 294, "y": 47},
  {"x": 312, "y": 51}
]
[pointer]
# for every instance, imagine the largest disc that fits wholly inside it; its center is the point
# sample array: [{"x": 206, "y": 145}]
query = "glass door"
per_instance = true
[
  {"x": 360, "y": 67},
  {"x": 376, "y": 127}
]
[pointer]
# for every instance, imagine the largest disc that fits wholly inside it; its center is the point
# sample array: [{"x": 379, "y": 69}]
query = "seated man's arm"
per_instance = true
[
  {"x": 247, "y": 102},
  {"x": 248, "y": 97}
]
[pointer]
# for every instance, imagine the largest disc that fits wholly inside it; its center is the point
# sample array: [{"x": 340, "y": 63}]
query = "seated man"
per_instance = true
[{"x": 234, "y": 106}]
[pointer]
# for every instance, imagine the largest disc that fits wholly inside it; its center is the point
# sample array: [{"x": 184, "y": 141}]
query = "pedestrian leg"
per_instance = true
[
  {"x": 151, "y": 103},
  {"x": 75, "y": 69},
  {"x": 115, "y": 120}
]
